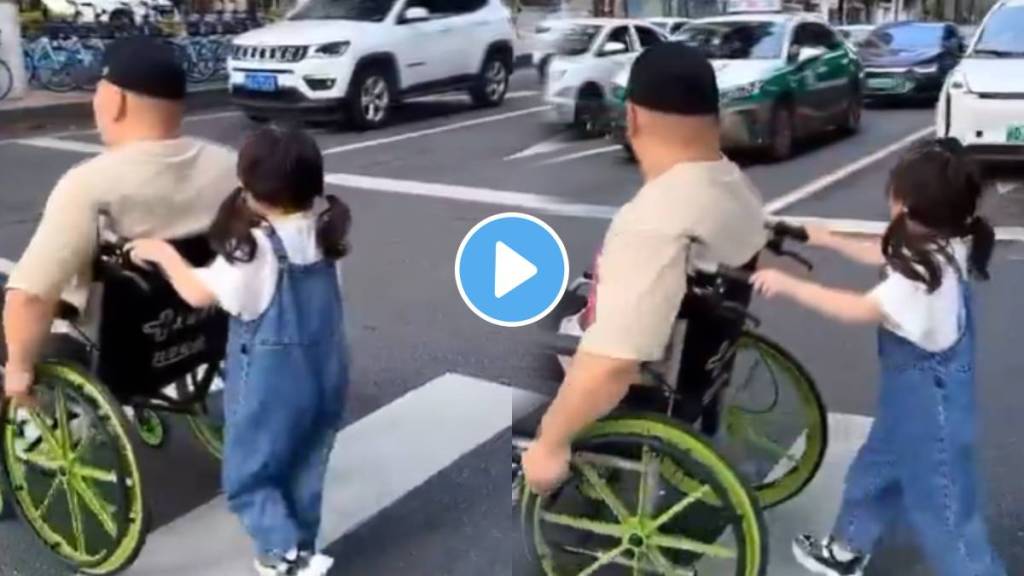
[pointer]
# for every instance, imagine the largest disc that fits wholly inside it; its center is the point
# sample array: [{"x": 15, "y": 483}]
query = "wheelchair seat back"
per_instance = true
[{"x": 152, "y": 338}]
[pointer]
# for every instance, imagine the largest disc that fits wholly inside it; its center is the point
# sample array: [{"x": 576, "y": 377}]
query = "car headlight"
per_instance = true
[
  {"x": 926, "y": 68},
  {"x": 330, "y": 50},
  {"x": 740, "y": 92}
]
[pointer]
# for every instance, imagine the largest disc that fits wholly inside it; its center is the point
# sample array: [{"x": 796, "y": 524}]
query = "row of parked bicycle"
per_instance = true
[{"x": 66, "y": 56}]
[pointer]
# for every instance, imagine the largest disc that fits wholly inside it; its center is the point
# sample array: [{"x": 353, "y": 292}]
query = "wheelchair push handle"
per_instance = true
[{"x": 115, "y": 258}]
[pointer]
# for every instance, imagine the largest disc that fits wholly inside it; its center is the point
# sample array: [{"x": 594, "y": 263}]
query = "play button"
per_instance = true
[{"x": 511, "y": 269}]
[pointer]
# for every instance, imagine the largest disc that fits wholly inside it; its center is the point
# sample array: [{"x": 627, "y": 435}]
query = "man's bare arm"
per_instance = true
[
  {"x": 27, "y": 320},
  {"x": 593, "y": 387}
]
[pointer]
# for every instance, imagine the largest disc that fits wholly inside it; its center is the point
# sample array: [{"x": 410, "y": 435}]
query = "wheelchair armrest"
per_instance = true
[
  {"x": 561, "y": 344},
  {"x": 67, "y": 312}
]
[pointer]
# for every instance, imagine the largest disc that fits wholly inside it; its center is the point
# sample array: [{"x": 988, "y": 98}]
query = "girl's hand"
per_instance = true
[
  {"x": 147, "y": 251},
  {"x": 818, "y": 235},
  {"x": 771, "y": 283}
]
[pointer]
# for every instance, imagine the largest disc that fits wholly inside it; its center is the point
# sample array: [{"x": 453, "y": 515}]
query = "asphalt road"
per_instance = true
[{"x": 415, "y": 189}]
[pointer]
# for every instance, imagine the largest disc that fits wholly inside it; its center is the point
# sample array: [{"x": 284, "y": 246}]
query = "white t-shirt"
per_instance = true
[
  {"x": 931, "y": 321},
  {"x": 245, "y": 289}
]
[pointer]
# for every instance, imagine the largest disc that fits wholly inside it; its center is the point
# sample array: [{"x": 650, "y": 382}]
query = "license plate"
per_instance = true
[
  {"x": 882, "y": 83},
  {"x": 261, "y": 82},
  {"x": 1015, "y": 134}
]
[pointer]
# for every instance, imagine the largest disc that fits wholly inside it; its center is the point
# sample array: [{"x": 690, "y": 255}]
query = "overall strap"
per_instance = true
[{"x": 277, "y": 244}]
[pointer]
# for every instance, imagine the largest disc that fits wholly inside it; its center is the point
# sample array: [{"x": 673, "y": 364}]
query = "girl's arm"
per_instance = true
[
  {"x": 867, "y": 252},
  {"x": 842, "y": 305},
  {"x": 180, "y": 273}
]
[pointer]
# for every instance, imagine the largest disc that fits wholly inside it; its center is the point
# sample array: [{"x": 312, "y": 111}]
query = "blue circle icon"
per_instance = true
[{"x": 511, "y": 269}]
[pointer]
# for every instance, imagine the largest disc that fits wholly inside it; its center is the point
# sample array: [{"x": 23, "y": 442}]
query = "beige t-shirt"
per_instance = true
[
  {"x": 650, "y": 248},
  {"x": 161, "y": 189}
]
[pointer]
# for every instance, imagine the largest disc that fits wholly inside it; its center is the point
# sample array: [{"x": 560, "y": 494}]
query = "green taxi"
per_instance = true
[{"x": 781, "y": 77}]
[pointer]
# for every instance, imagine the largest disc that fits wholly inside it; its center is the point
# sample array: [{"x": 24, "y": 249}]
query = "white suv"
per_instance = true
[
  {"x": 359, "y": 57},
  {"x": 982, "y": 102}
]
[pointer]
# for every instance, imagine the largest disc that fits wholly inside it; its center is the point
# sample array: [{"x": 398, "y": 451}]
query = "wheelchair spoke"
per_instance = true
[
  {"x": 667, "y": 567},
  {"x": 747, "y": 431},
  {"x": 44, "y": 430},
  {"x": 604, "y": 559},
  {"x": 585, "y": 525},
  {"x": 63, "y": 429},
  {"x": 42, "y": 461},
  {"x": 96, "y": 505},
  {"x": 682, "y": 482},
  {"x": 680, "y": 506},
  {"x": 76, "y": 518},
  {"x": 604, "y": 491},
  {"x": 48, "y": 499},
  {"x": 107, "y": 476},
  {"x": 688, "y": 545}
]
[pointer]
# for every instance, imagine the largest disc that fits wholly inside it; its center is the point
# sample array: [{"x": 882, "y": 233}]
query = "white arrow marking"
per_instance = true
[
  {"x": 510, "y": 269},
  {"x": 545, "y": 147}
]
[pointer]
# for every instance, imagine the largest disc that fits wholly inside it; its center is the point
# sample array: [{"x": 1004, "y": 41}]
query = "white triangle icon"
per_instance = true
[{"x": 510, "y": 269}]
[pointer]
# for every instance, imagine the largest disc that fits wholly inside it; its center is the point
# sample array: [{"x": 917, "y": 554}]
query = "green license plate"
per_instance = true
[
  {"x": 1015, "y": 134},
  {"x": 882, "y": 83}
]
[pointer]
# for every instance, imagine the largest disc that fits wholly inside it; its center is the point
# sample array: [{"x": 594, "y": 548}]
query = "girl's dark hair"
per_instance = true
[
  {"x": 939, "y": 188},
  {"x": 282, "y": 168}
]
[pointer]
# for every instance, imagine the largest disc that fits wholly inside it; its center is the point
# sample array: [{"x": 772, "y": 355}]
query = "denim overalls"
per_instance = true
[
  {"x": 918, "y": 463},
  {"x": 287, "y": 372}
]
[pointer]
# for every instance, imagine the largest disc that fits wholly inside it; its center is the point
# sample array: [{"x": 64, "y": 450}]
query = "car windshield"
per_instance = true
[
  {"x": 364, "y": 10},
  {"x": 906, "y": 37},
  {"x": 1001, "y": 36},
  {"x": 735, "y": 40},
  {"x": 576, "y": 40}
]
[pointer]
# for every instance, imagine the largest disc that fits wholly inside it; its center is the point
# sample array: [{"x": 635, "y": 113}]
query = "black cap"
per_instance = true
[
  {"x": 145, "y": 66},
  {"x": 674, "y": 78}
]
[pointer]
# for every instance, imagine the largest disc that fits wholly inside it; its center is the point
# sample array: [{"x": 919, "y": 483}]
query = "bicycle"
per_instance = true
[
  {"x": 71, "y": 462},
  {"x": 678, "y": 477}
]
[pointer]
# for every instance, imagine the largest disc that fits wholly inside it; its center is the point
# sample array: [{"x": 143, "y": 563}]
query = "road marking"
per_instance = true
[
  {"x": 66, "y": 145},
  {"x": 822, "y": 183},
  {"x": 545, "y": 147},
  {"x": 378, "y": 460},
  {"x": 461, "y": 98},
  {"x": 539, "y": 202},
  {"x": 583, "y": 154},
  {"x": 435, "y": 130}
]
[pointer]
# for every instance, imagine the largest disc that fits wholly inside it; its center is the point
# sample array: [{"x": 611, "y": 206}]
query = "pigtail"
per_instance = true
[
  {"x": 983, "y": 242},
  {"x": 912, "y": 253},
  {"x": 332, "y": 228},
  {"x": 230, "y": 234}
]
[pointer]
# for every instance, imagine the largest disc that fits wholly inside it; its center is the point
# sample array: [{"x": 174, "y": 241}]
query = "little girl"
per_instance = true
[
  {"x": 918, "y": 463},
  {"x": 278, "y": 277}
]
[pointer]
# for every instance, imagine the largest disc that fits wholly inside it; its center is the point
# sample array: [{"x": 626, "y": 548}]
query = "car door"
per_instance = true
[
  {"x": 608, "y": 63},
  {"x": 472, "y": 25},
  {"x": 426, "y": 49},
  {"x": 835, "y": 74},
  {"x": 809, "y": 96},
  {"x": 824, "y": 80}
]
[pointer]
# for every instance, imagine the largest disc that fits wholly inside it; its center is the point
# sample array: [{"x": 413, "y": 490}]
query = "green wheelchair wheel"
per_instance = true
[
  {"x": 150, "y": 426},
  {"x": 775, "y": 426},
  {"x": 71, "y": 465},
  {"x": 646, "y": 496},
  {"x": 207, "y": 417}
]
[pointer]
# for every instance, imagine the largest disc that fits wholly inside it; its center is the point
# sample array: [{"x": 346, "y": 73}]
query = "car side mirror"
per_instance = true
[
  {"x": 613, "y": 48},
  {"x": 415, "y": 14},
  {"x": 808, "y": 53}
]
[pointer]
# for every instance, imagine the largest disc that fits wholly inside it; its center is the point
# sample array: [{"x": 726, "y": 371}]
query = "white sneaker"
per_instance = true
[
  {"x": 289, "y": 565},
  {"x": 315, "y": 565}
]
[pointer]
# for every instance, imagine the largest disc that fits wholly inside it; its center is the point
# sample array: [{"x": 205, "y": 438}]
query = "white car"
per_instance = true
[
  {"x": 670, "y": 25},
  {"x": 112, "y": 11},
  {"x": 982, "y": 101},
  {"x": 591, "y": 53},
  {"x": 357, "y": 58}
]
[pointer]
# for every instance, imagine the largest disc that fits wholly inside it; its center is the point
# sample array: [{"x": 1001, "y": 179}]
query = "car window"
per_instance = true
[
  {"x": 1001, "y": 37},
  {"x": 576, "y": 39},
  {"x": 736, "y": 40},
  {"x": 361, "y": 10},
  {"x": 621, "y": 35},
  {"x": 812, "y": 35},
  {"x": 647, "y": 36},
  {"x": 464, "y": 6},
  {"x": 906, "y": 36}
]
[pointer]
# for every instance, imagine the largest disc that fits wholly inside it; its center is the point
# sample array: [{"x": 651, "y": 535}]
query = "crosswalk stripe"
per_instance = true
[{"x": 377, "y": 460}]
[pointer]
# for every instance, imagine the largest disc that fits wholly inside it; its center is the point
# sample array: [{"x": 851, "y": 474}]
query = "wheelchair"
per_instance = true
[
  {"x": 675, "y": 481},
  {"x": 70, "y": 462}
]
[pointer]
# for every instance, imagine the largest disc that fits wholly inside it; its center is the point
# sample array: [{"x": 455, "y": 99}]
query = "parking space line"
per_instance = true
[
  {"x": 824, "y": 182},
  {"x": 583, "y": 154},
  {"x": 378, "y": 460},
  {"x": 435, "y": 130},
  {"x": 65, "y": 145}
]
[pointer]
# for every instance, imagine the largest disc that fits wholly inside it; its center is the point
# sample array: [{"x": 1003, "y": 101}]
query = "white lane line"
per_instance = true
[
  {"x": 435, "y": 130},
  {"x": 65, "y": 145},
  {"x": 461, "y": 98},
  {"x": 546, "y": 147},
  {"x": 820, "y": 184},
  {"x": 377, "y": 461},
  {"x": 547, "y": 204},
  {"x": 583, "y": 154}
]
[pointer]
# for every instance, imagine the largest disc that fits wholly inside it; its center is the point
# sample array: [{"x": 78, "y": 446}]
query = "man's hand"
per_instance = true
[
  {"x": 546, "y": 466},
  {"x": 18, "y": 386},
  {"x": 147, "y": 251}
]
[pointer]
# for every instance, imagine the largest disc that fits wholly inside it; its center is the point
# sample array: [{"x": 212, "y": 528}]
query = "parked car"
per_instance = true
[
  {"x": 855, "y": 33},
  {"x": 547, "y": 37},
  {"x": 668, "y": 24},
  {"x": 982, "y": 102},
  {"x": 590, "y": 54},
  {"x": 357, "y": 58},
  {"x": 781, "y": 77},
  {"x": 909, "y": 60}
]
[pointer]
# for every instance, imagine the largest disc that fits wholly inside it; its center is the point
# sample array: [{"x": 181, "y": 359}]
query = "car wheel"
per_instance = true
[
  {"x": 370, "y": 98},
  {"x": 782, "y": 133},
  {"x": 854, "y": 113},
  {"x": 492, "y": 85},
  {"x": 590, "y": 112}
]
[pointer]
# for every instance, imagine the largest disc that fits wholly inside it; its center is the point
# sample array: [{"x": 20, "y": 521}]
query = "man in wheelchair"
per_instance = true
[
  {"x": 151, "y": 181},
  {"x": 691, "y": 191}
]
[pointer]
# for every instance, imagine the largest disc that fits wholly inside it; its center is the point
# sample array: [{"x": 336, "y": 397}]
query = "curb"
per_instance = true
[{"x": 200, "y": 99}]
